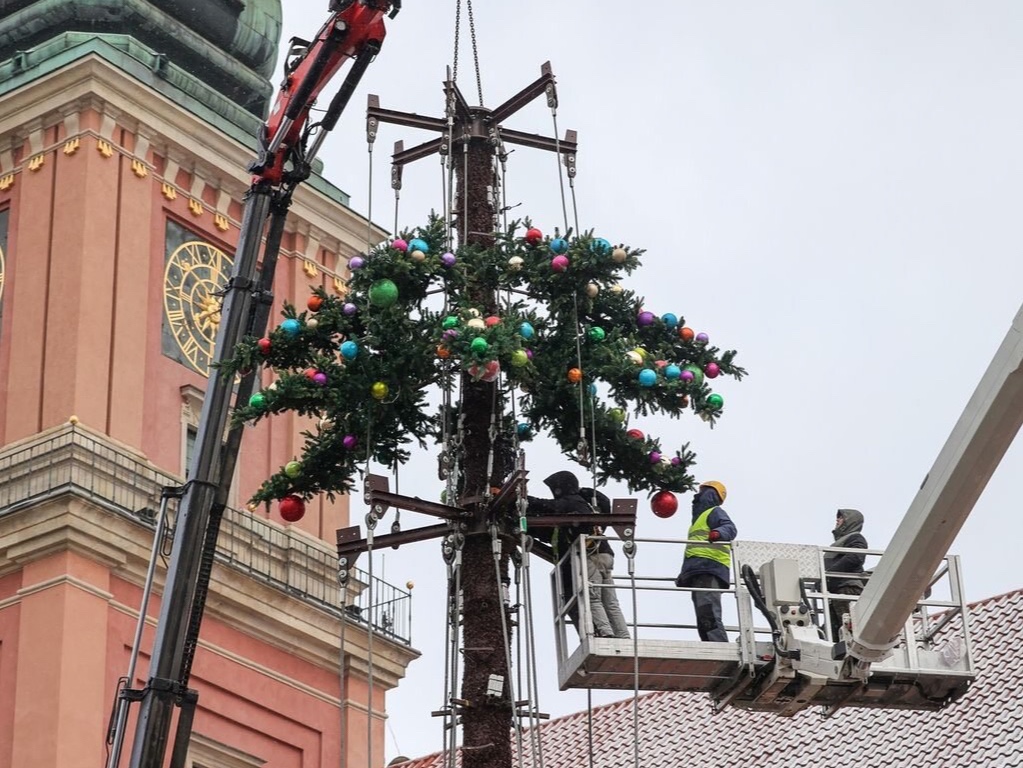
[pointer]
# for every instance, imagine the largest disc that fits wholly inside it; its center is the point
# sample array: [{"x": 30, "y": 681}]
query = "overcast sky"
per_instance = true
[{"x": 833, "y": 189}]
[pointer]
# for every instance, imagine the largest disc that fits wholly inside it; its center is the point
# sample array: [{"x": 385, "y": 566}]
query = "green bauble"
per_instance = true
[
  {"x": 715, "y": 401},
  {"x": 383, "y": 293},
  {"x": 293, "y": 469},
  {"x": 617, "y": 415},
  {"x": 697, "y": 374},
  {"x": 479, "y": 345},
  {"x": 597, "y": 333},
  {"x": 449, "y": 322},
  {"x": 519, "y": 358},
  {"x": 258, "y": 400}
]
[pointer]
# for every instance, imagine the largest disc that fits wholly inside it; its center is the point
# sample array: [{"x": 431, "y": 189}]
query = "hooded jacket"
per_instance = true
[
  {"x": 848, "y": 535},
  {"x": 719, "y": 521},
  {"x": 567, "y": 499}
]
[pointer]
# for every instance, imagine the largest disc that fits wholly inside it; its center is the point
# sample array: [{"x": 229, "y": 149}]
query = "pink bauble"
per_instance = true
[
  {"x": 399, "y": 245},
  {"x": 559, "y": 263},
  {"x": 349, "y": 442},
  {"x": 712, "y": 370}
]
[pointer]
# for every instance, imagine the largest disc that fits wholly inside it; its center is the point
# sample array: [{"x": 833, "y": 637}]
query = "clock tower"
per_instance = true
[{"x": 125, "y": 130}]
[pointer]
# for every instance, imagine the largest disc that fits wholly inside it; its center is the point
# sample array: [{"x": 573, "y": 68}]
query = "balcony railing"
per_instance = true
[{"x": 77, "y": 461}]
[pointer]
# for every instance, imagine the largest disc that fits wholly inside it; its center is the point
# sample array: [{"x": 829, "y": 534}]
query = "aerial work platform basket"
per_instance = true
[{"x": 931, "y": 664}]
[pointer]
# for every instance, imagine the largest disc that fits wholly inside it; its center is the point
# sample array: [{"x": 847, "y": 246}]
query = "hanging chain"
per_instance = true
[{"x": 475, "y": 47}]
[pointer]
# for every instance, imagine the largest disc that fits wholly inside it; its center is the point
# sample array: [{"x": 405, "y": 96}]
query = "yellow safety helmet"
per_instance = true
[{"x": 717, "y": 486}]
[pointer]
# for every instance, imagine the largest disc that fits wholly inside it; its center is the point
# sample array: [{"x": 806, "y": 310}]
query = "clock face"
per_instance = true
[{"x": 196, "y": 274}]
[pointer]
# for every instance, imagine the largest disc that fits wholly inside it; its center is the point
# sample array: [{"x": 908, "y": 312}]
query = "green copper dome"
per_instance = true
[{"x": 228, "y": 45}]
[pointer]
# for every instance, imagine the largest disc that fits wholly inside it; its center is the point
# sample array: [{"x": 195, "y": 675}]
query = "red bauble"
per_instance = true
[
  {"x": 664, "y": 503},
  {"x": 292, "y": 508},
  {"x": 264, "y": 346},
  {"x": 310, "y": 373},
  {"x": 635, "y": 434},
  {"x": 314, "y": 303},
  {"x": 533, "y": 235}
]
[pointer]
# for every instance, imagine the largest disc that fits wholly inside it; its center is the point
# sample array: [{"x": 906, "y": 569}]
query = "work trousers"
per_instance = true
[
  {"x": 839, "y": 607},
  {"x": 708, "y": 608},
  {"x": 608, "y": 620}
]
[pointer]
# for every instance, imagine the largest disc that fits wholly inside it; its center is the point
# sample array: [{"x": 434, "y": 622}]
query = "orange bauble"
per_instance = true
[
  {"x": 314, "y": 303},
  {"x": 686, "y": 333},
  {"x": 575, "y": 375},
  {"x": 443, "y": 352}
]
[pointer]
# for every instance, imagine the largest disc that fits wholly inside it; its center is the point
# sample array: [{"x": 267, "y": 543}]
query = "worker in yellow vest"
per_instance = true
[{"x": 708, "y": 560}]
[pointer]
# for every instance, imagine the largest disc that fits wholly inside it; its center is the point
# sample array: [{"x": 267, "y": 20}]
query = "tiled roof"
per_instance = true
[{"x": 984, "y": 729}]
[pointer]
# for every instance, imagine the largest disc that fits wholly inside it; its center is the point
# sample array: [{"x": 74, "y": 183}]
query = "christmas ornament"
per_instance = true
[
  {"x": 449, "y": 322},
  {"x": 472, "y": 312},
  {"x": 687, "y": 376},
  {"x": 379, "y": 390},
  {"x": 399, "y": 245},
  {"x": 383, "y": 293},
  {"x": 672, "y": 372},
  {"x": 310, "y": 372},
  {"x": 443, "y": 352},
  {"x": 320, "y": 379},
  {"x": 417, "y": 256},
  {"x": 676, "y": 461},
  {"x": 559, "y": 263},
  {"x": 476, "y": 324},
  {"x": 349, "y": 309},
  {"x": 619, "y": 255},
  {"x": 655, "y": 457},
  {"x": 313, "y": 323},
  {"x": 523, "y": 430},
  {"x": 356, "y": 263},
  {"x": 643, "y": 319},
  {"x": 712, "y": 370},
  {"x": 686, "y": 334},
  {"x": 417, "y": 244},
  {"x": 600, "y": 246},
  {"x": 491, "y": 370},
  {"x": 574, "y": 375},
  {"x": 616, "y": 288},
  {"x": 349, "y": 442},
  {"x": 634, "y": 357},
  {"x": 669, "y": 320},
  {"x": 702, "y": 338},
  {"x": 664, "y": 504},
  {"x": 617, "y": 415},
  {"x": 559, "y": 245},
  {"x": 515, "y": 263},
  {"x": 592, "y": 290},
  {"x": 596, "y": 333},
  {"x": 635, "y": 434},
  {"x": 715, "y": 401},
  {"x": 258, "y": 400},
  {"x": 450, "y": 335},
  {"x": 264, "y": 346},
  {"x": 479, "y": 345},
  {"x": 526, "y": 331},
  {"x": 292, "y": 508},
  {"x": 448, "y": 260},
  {"x": 592, "y": 389},
  {"x": 533, "y": 236},
  {"x": 325, "y": 424},
  {"x": 492, "y": 321},
  {"x": 349, "y": 350},
  {"x": 529, "y": 354},
  {"x": 641, "y": 352},
  {"x": 293, "y": 469},
  {"x": 697, "y": 374},
  {"x": 519, "y": 358},
  {"x": 314, "y": 303},
  {"x": 647, "y": 377},
  {"x": 291, "y": 326}
]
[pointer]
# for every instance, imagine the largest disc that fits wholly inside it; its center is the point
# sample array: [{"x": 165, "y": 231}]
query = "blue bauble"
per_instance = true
[
  {"x": 416, "y": 244},
  {"x": 523, "y": 430},
  {"x": 592, "y": 389},
  {"x": 291, "y": 326},
  {"x": 526, "y": 331},
  {"x": 672, "y": 372},
  {"x": 647, "y": 377},
  {"x": 349, "y": 350},
  {"x": 559, "y": 245},
  {"x": 600, "y": 246},
  {"x": 669, "y": 319}
]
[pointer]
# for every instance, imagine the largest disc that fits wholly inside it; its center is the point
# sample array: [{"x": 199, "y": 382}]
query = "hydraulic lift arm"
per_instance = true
[
  {"x": 969, "y": 457},
  {"x": 354, "y": 31}
]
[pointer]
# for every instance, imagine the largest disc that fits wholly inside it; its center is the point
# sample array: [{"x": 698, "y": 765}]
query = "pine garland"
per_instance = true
[{"x": 568, "y": 336}]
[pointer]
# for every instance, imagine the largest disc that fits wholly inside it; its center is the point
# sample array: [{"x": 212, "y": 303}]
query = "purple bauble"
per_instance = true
[
  {"x": 320, "y": 379},
  {"x": 712, "y": 370},
  {"x": 349, "y": 442},
  {"x": 645, "y": 318},
  {"x": 399, "y": 245},
  {"x": 450, "y": 334},
  {"x": 356, "y": 262},
  {"x": 529, "y": 354},
  {"x": 559, "y": 263},
  {"x": 686, "y": 376},
  {"x": 655, "y": 457},
  {"x": 448, "y": 259},
  {"x": 702, "y": 338},
  {"x": 675, "y": 461},
  {"x": 349, "y": 309}
]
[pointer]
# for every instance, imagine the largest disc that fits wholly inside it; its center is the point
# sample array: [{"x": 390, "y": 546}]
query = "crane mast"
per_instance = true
[{"x": 354, "y": 32}]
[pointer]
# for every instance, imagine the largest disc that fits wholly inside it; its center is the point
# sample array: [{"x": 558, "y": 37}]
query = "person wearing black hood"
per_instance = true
[
  {"x": 842, "y": 567},
  {"x": 708, "y": 567}
]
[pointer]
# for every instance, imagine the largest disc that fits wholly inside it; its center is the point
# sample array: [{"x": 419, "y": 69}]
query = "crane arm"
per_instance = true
[{"x": 969, "y": 457}]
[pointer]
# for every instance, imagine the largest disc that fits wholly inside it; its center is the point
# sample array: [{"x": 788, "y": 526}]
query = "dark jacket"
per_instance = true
[
  {"x": 602, "y": 505},
  {"x": 567, "y": 500},
  {"x": 718, "y": 521},
  {"x": 848, "y": 536}
]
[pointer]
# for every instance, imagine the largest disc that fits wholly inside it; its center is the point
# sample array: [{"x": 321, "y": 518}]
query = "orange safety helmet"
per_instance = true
[{"x": 717, "y": 486}]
